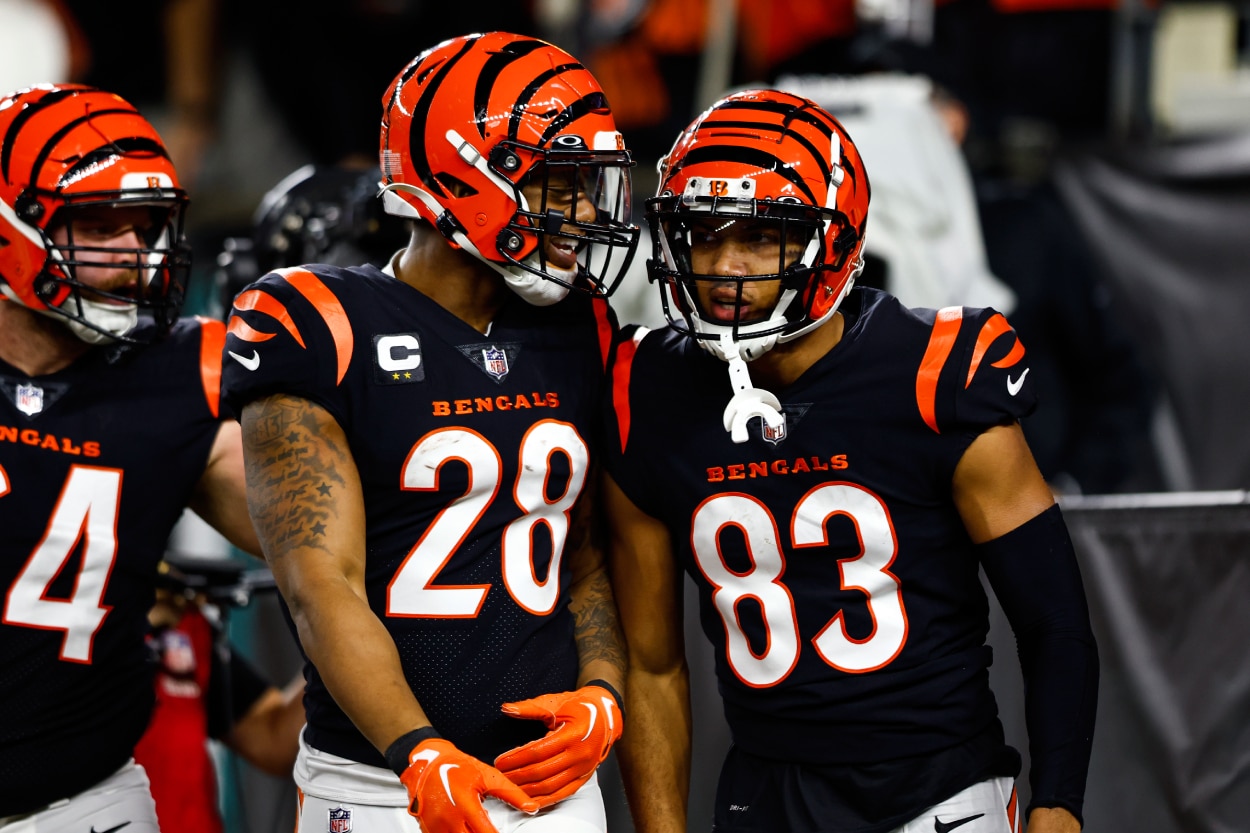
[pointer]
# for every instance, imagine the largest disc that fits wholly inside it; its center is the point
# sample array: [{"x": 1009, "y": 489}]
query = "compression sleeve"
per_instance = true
[{"x": 1034, "y": 573}]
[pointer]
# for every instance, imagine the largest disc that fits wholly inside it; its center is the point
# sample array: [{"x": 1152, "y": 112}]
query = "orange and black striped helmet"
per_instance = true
[
  {"x": 471, "y": 122},
  {"x": 68, "y": 148},
  {"x": 784, "y": 163}
]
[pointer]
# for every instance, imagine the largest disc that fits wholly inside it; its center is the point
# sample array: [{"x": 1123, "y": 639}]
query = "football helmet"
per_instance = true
[
  {"x": 772, "y": 157},
  {"x": 66, "y": 148},
  {"x": 315, "y": 214},
  {"x": 473, "y": 121}
]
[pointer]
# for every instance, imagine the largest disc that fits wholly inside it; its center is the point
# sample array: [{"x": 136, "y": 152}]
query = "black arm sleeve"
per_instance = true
[
  {"x": 1035, "y": 576},
  {"x": 234, "y": 685}
]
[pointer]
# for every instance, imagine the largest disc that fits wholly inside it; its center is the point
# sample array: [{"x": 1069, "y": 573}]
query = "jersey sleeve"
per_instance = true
[
  {"x": 288, "y": 333},
  {"x": 625, "y": 458},
  {"x": 974, "y": 374}
]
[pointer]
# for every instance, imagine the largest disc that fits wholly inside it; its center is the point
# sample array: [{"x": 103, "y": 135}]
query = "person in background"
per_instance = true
[{"x": 205, "y": 689}]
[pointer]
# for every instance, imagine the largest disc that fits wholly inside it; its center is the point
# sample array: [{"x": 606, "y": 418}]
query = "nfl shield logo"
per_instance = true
[
  {"x": 495, "y": 361},
  {"x": 29, "y": 399},
  {"x": 340, "y": 820},
  {"x": 774, "y": 435}
]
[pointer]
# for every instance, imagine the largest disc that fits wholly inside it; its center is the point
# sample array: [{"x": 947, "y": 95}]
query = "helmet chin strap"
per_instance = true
[
  {"x": 108, "y": 321},
  {"x": 747, "y": 402},
  {"x": 536, "y": 289}
]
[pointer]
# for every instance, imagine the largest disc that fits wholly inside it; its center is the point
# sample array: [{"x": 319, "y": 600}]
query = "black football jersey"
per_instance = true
[
  {"x": 97, "y": 462},
  {"x": 836, "y": 580},
  {"x": 471, "y": 450}
]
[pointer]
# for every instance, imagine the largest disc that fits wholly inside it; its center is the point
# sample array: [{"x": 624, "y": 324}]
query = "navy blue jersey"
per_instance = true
[
  {"x": 97, "y": 462},
  {"x": 836, "y": 580},
  {"x": 471, "y": 450}
]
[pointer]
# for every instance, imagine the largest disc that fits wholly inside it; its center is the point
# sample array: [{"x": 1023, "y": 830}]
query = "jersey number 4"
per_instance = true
[
  {"x": 412, "y": 591},
  {"x": 867, "y": 572},
  {"x": 86, "y": 513}
]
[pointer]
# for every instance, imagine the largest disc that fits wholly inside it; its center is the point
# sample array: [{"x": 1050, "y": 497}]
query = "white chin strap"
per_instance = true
[
  {"x": 748, "y": 402},
  {"x": 536, "y": 289},
  {"x": 115, "y": 320}
]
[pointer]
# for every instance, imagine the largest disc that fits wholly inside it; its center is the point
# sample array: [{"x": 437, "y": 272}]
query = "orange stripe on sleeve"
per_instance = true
[
  {"x": 331, "y": 311},
  {"x": 604, "y": 322},
  {"x": 941, "y": 340},
  {"x": 241, "y": 329},
  {"x": 621, "y": 370},
  {"x": 1015, "y": 355},
  {"x": 254, "y": 299},
  {"x": 212, "y": 342},
  {"x": 990, "y": 331}
]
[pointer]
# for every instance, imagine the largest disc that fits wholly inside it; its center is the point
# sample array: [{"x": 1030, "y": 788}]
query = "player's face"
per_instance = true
[
  {"x": 738, "y": 249},
  {"x": 566, "y": 193},
  {"x": 105, "y": 240}
]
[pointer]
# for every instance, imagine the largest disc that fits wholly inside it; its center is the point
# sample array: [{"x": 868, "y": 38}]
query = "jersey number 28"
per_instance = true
[{"x": 412, "y": 591}]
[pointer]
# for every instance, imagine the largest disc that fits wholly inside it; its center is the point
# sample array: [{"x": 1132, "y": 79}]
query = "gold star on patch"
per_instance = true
[{"x": 395, "y": 376}]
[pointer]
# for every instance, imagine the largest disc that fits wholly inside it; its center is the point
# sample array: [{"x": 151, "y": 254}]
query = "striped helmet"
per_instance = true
[
  {"x": 65, "y": 149},
  {"x": 776, "y": 158},
  {"x": 471, "y": 122}
]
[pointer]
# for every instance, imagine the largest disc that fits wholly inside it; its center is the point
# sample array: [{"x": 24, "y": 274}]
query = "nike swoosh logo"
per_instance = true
[
  {"x": 944, "y": 826},
  {"x": 593, "y": 715},
  {"x": 442, "y": 774},
  {"x": 1012, "y": 387},
  {"x": 254, "y": 362},
  {"x": 111, "y": 829}
]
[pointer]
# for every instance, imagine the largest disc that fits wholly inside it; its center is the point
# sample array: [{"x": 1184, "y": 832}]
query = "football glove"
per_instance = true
[
  {"x": 446, "y": 786},
  {"x": 584, "y": 724}
]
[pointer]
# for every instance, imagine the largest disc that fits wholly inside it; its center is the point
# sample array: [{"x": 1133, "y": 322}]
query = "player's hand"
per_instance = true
[
  {"x": 445, "y": 789},
  {"x": 584, "y": 724}
]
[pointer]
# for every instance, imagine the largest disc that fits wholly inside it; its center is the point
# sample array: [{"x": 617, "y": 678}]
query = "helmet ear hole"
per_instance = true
[
  {"x": 28, "y": 207},
  {"x": 503, "y": 158}
]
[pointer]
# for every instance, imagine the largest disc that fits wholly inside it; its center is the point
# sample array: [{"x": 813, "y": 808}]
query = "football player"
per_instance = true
[
  {"x": 110, "y": 425},
  {"x": 420, "y": 441},
  {"x": 834, "y": 517}
]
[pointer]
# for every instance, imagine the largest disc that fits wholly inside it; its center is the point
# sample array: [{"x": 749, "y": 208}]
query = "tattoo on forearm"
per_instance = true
[
  {"x": 291, "y": 480},
  {"x": 595, "y": 625}
]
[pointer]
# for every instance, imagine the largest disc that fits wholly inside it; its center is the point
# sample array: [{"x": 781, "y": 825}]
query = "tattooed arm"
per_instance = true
[
  {"x": 305, "y": 499},
  {"x": 600, "y": 645}
]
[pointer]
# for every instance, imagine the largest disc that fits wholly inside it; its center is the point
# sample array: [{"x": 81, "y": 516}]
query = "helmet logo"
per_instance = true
[
  {"x": 154, "y": 182},
  {"x": 569, "y": 142}
]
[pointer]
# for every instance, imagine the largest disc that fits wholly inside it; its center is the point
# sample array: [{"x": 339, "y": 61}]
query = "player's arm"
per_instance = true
[
  {"x": 304, "y": 494},
  {"x": 584, "y": 723},
  {"x": 596, "y": 626},
  {"x": 654, "y": 752},
  {"x": 1010, "y": 513},
  {"x": 220, "y": 494},
  {"x": 267, "y": 735},
  {"x": 305, "y": 497}
]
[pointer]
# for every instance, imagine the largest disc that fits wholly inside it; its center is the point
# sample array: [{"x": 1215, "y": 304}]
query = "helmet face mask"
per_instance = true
[
  {"x": 470, "y": 129},
  {"x": 72, "y": 158},
  {"x": 760, "y": 159}
]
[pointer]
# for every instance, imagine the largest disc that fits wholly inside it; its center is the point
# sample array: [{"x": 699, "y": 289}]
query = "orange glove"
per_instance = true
[
  {"x": 584, "y": 724},
  {"x": 446, "y": 786}
]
